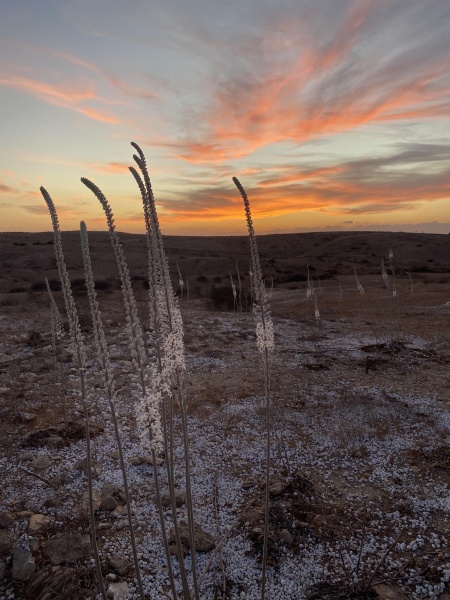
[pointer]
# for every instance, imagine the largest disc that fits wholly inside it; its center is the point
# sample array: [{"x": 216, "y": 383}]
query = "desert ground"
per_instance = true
[{"x": 360, "y": 462}]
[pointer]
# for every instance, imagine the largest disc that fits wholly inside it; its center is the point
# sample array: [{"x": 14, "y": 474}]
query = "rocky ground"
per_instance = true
[{"x": 360, "y": 452}]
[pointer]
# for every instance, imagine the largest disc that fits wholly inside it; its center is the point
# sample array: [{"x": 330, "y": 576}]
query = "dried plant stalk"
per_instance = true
[
  {"x": 110, "y": 388},
  {"x": 265, "y": 345},
  {"x": 78, "y": 344}
]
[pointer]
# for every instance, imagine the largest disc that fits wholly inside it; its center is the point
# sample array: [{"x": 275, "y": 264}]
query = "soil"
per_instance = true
[{"x": 360, "y": 463}]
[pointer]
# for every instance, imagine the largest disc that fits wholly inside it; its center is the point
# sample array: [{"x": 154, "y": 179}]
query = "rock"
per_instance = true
[
  {"x": 6, "y": 519},
  {"x": 65, "y": 548},
  {"x": 81, "y": 465},
  {"x": 117, "y": 591},
  {"x": 114, "y": 491},
  {"x": 115, "y": 454},
  {"x": 180, "y": 498},
  {"x": 55, "y": 441},
  {"x": 25, "y": 417},
  {"x": 23, "y": 564},
  {"x": 174, "y": 552},
  {"x": 120, "y": 512},
  {"x": 6, "y": 541},
  {"x": 108, "y": 503},
  {"x": 67, "y": 355},
  {"x": 27, "y": 456},
  {"x": 286, "y": 537},
  {"x": 277, "y": 487},
  {"x": 144, "y": 460},
  {"x": 3, "y": 571},
  {"x": 389, "y": 592},
  {"x": 120, "y": 565},
  {"x": 97, "y": 500},
  {"x": 52, "y": 502},
  {"x": 41, "y": 463},
  {"x": 38, "y": 522},
  {"x": 204, "y": 542},
  {"x": 249, "y": 482},
  {"x": 24, "y": 514}
]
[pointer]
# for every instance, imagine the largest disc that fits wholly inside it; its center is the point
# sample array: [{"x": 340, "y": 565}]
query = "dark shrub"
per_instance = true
[
  {"x": 38, "y": 286},
  {"x": 221, "y": 297},
  {"x": 102, "y": 285}
]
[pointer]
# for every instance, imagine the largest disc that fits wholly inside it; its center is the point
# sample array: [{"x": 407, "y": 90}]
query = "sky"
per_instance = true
[{"x": 333, "y": 114}]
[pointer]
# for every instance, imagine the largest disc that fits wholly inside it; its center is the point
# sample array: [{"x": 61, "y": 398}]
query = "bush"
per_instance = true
[
  {"x": 221, "y": 297},
  {"x": 102, "y": 285},
  {"x": 38, "y": 286}
]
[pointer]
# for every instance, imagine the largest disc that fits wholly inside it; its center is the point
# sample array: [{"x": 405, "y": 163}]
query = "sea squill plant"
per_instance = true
[
  {"x": 233, "y": 289},
  {"x": 146, "y": 391},
  {"x": 359, "y": 286},
  {"x": 171, "y": 362},
  {"x": 265, "y": 344},
  {"x": 79, "y": 348},
  {"x": 57, "y": 335},
  {"x": 110, "y": 387}
]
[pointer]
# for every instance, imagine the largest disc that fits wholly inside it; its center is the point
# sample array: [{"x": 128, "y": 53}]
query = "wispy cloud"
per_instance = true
[
  {"x": 6, "y": 189},
  {"x": 404, "y": 179},
  {"x": 65, "y": 96},
  {"x": 297, "y": 87}
]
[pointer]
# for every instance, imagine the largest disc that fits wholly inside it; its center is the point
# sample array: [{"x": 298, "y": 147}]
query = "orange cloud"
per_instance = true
[
  {"x": 65, "y": 97},
  {"x": 299, "y": 88},
  {"x": 365, "y": 186}
]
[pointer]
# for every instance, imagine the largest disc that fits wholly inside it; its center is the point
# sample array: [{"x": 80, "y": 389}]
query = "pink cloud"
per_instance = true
[{"x": 62, "y": 95}]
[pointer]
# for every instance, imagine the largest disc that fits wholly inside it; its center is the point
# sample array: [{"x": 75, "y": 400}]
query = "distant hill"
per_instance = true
[{"x": 27, "y": 258}]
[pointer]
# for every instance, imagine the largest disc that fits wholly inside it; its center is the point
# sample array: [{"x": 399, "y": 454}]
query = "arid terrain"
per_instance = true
[{"x": 360, "y": 497}]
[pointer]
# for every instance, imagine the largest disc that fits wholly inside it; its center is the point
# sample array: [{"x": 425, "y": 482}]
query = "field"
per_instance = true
[{"x": 360, "y": 466}]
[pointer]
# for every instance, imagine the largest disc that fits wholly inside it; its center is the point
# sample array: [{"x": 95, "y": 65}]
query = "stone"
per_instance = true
[
  {"x": 6, "y": 541},
  {"x": 286, "y": 537},
  {"x": 6, "y": 519},
  {"x": 145, "y": 460},
  {"x": 108, "y": 503},
  {"x": 3, "y": 571},
  {"x": 41, "y": 463},
  {"x": 389, "y": 592},
  {"x": 204, "y": 542},
  {"x": 52, "y": 502},
  {"x": 174, "y": 551},
  {"x": 117, "y": 591},
  {"x": 97, "y": 500},
  {"x": 23, "y": 564},
  {"x": 27, "y": 456},
  {"x": 67, "y": 355},
  {"x": 115, "y": 454},
  {"x": 249, "y": 482},
  {"x": 38, "y": 522},
  {"x": 81, "y": 465},
  {"x": 25, "y": 417},
  {"x": 180, "y": 498},
  {"x": 110, "y": 489},
  {"x": 277, "y": 487},
  {"x": 67, "y": 547},
  {"x": 120, "y": 565},
  {"x": 55, "y": 441}
]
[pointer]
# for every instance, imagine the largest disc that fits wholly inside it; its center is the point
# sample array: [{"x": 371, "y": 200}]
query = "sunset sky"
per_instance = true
[{"x": 334, "y": 114}]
